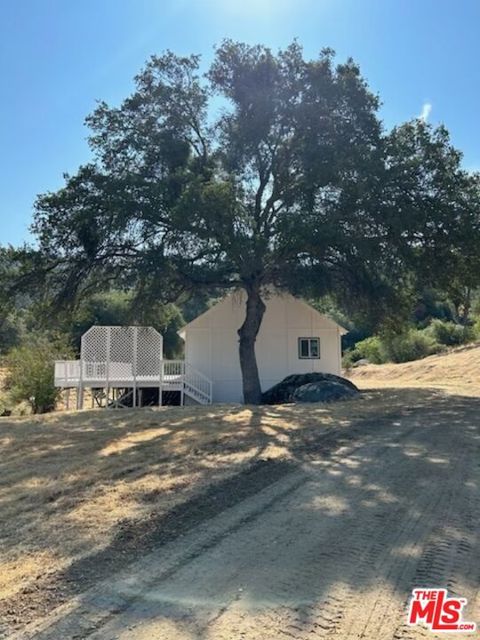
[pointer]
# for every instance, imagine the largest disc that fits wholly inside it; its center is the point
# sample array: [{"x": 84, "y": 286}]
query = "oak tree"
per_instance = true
[{"x": 269, "y": 170}]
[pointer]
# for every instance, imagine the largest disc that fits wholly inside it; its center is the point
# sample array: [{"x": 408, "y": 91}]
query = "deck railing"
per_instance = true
[
  {"x": 78, "y": 373},
  {"x": 67, "y": 371},
  {"x": 172, "y": 368},
  {"x": 199, "y": 386}
]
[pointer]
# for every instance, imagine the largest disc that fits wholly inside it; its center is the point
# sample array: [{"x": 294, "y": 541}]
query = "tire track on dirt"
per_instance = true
[{"x": 342, "y": 557}]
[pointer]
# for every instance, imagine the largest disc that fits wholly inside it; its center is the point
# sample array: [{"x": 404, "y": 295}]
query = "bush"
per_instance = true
[
  {"x": 348, "y": 361},
  {"x": 451, "y": 334},
  {"x": 31, "y": 369},
  {"x": 371, "y": 349},
  {"x": 409, "y": 345},
  {"x": 476, "y": 329}
]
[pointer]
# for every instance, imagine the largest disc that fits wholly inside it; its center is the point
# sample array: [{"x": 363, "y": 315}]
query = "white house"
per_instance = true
[
  {"x": 121, "y": 366},
  {"x": 293, "y": 338}
]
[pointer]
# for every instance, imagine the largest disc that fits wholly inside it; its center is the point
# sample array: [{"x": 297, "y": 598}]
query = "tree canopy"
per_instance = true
[{"x": 269, "y": 170}]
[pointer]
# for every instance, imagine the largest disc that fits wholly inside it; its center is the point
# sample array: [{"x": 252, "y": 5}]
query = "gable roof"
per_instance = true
[
  {"x": 323, "y": 316},
  {"x": 192, "y": 323}
]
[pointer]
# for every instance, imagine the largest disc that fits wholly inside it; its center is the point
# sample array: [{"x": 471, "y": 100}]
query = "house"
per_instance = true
[
  {"x": 293, "y": 338},
  {"x": 124, "y": 366}
]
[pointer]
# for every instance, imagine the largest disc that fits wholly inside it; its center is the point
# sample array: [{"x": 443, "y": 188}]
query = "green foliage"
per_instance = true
[
  {"x": 411, "y": 344},
  {"x": 31, "y": 371},
  {"x": 476, "y": 329},
  {"x": 371, "y": 348},
  {"x": 432, "y": 304},
  {"x": 172, "y": 202},
  {"x": 476, "y": 302},
  {"x": 451, "y": 334},
  {"x": 10, "y": 321},
  {"x": 10, "y": 331},
  {"x": 123, "y": 308}
]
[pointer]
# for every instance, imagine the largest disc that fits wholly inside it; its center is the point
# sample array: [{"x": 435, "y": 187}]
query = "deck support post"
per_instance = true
[
  {"x": 182, "y": 387},
  {"x": 160, "y": 382},
  {"x": 80, "y": 396},
  {"x": 80, "y": 387},
  {"x": 135, "y": 366}
]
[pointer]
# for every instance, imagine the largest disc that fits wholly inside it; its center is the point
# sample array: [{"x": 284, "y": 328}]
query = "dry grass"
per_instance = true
[
  {"x": 456, "y": 371},
  {"x": 68, "y": 481}
]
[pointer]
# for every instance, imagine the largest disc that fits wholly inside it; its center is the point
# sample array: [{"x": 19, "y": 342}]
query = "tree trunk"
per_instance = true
[{"x": 255, "y": 308}]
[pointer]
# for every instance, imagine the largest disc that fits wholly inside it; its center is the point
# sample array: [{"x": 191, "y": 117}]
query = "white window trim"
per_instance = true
[{"x": 309, "y": 357}]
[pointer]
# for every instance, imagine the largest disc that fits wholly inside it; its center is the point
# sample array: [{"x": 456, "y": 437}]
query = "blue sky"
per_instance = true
[{"x": 57, "y": 57}]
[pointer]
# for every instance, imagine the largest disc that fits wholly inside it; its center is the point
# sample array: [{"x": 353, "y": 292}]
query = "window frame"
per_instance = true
[{"x": 309, "y": 340}]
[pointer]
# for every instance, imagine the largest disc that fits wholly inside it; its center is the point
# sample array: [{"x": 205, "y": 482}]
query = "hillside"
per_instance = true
[{"x": 457, "y": 371}]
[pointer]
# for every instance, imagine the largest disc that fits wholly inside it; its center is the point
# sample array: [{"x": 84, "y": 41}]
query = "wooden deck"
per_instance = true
[{"x": 116, "y": 358}]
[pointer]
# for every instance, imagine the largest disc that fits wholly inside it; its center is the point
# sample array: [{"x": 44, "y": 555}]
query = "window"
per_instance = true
[{"x": 309, "y": 347}]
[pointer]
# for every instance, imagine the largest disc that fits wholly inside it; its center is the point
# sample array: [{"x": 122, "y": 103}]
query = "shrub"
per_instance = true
[
  {"x": 348, "y": 361},
  {"x": 31, "y": 369},
  {"x": 451, "y": 334},
  {"x": 371, "y": 349},
  {"x": 409, "y": 345},
  {"x": 476, "y": 329}
]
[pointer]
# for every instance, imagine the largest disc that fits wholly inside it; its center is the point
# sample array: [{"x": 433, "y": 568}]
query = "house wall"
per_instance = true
[{"x": 211, "y": 343}]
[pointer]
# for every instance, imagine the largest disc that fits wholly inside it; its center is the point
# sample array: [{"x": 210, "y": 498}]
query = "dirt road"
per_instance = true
[{"x": 330, "y": 549}]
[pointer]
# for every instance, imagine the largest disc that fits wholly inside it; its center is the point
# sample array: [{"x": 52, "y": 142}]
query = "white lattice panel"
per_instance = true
[
  {"x": 149, "y": 353},
  {"x": 121, "y": 353}
]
